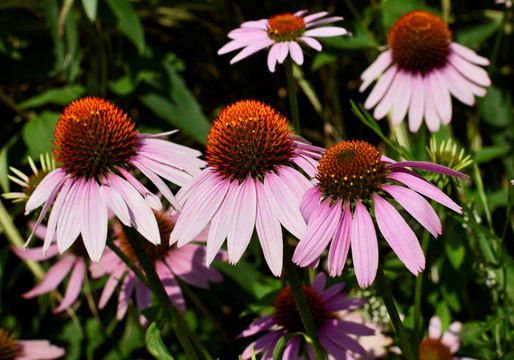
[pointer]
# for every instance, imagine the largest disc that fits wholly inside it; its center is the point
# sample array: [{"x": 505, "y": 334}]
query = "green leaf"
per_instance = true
[
  {"x": 455, "y": 250},
  {"x": 181, "y": 109},
  {"x": 128, "y": 22},
  {"x": 360, "y": 39},
  {"x": 489, "y": 153},
  {"x": 497, "y": 107},
  {"x": 392, "y": 10},
  {"x": 443, "y": 312},
  {"x": 154, "y": 343},
  {"x": 476, "y": 35},
  {"x": 38, "y": 133},
  {"x": 90, "y": 8},
  {"x": 281, "y": 344},
  {"x": 60, "y": 96},
  {"x": 451, "y": 297}
]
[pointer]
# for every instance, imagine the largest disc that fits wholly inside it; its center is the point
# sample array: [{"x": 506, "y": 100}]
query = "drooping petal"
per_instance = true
[
  {"x": 435, "y": 328},
  {"x": 404, "y": 99},
  {"x": 364, "y": 246},
  {"x": 473, "y": 72},
  {"x": 74, "y": 285},
  {"x": 273, "y": 56},
  {"x": 50, "y": 183},
  {"x": 311, "y": 17},
  {"x": 313, "y": 43},
  {"x": 111, "y": 284},
  {"x": 296, "y": 52},
  {"x": 94, "y": 221},
  {"x": 381, "y": 87},
  {"x": 252, "y": 49},
  {"x": 431, "y": 116},
  {"x": 53, "y": 277},
  {"x": 153, "y": 200},
  {"x": 258, "y": 325},
  {"x": 71, "y": 216},
  {"x": 115, "y": 202},
  {"x": 417, "y": 206},
  {"x": 336, "y": 341},
  {"x": 269, "y": 232},
  {"x": 399, "y": 235},
  {"x": 451, "y": 336},
  {"x": 322, "y": 227},
  {"x": 441, "y": 96},
  {"x": 338, "y": 252},
  {"x": 127, "y": 288},
  {"x": 424, "y": 187},
  {"x": 417, "y": 103},
  {"x": 425, "y": 165},
  {"x": 171, "y": 286},
  {"x": 326, "y": 31},
  {"x": 468, "y": 54},
  {"x": 35, "y": 254},
  {"x": 457, "y": 85},
  {"x": 310, "y": 203},
  {"x": 381, "y": 63},
  {"x": 389, "y": 100},
  {"x": 38, "y": 349},
  {"x": 243, "y": 217}
]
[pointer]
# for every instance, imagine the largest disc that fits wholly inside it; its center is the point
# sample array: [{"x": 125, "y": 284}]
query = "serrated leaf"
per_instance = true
[
  {"x": 154, "y": 343},
  {"x": 128, "y": 22},
  {"x": 38, "y": 133},
  {"x": 60, "y": 96},
  {"x": 90, "y": 8}
]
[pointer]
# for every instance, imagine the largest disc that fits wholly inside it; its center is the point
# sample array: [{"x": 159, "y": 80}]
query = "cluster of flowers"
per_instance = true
[{"x": 257, "y": 176}]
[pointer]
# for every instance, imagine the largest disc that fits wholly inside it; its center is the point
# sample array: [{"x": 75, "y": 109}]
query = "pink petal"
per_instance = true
[
  {"x": 283, "y": 50},
  {"x": 38, "y": 349},
  {"x": 310, "y": 203},
  {"x": 110, "y": 286},
  {"x": 399, "y": 235},
  {"x": 472, "y": 72},
  {"x": 310, "y": 18},
  {"x": 326, "y": 31},
  {"x": 313, "y": 43},
  {"x": 338, "y": 252},
  {"x": 284, "y": 203},
  {"x": 417, "y": 206},
  {"x": 115, "y": 202},
  {"x": 171, "y": 286},
  {"x": 252, "y": 49},
  {"x": 35, "y": 254},
  {"x": 273, "y": 56},
  {"x": 74, "y": 285},
  {"x": 153, "y": 200},
  {"x": 185, "y": 191},
  {"x": 425, "y": 188},
  {"x": 319, "y": 282},
  {"x": 389, "y": 99},
  {"x": 381, "y": 87},
  {"x": 127, "y": 288},
  {"x": 71, "y": 216},
  {"x": 468, "y": 54},
  {"x": 243, "y": 217},
  {"x": 327, "y": 20},
  {"x": 292, "y": 349},
  {"x": 322, "y": 227},
  {"x": 336, "y": 341},
  {"x": 269, "y": 232},
  {"x": 435, "y": 328},
  {"x": 431, "y": 117},
  {"x": 470, "y": 85},
  {"x": 261, "y": 24},
  {"x": 199, "y": 209},
  {"x": 50, "y": 184},
  {"x": 257, "y": 326},
  {"x": 403, "y": 99},
  {"x": 441, "y": 96},
  {"x": 417, "y": 103},
  {"x": 381, "y": 63},
  {"x": 364, "y": 246},
  {"x": 94, "y": 222},
  {"x": 429, "y": 166},
  {"x": 451, "y": 337},
  {"x": 457, "y": 85},
  {"x": 296, "y": 52},
  {"x": 54, "y": 276}
]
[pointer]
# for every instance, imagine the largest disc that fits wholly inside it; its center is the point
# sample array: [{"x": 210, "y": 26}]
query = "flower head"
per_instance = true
[
  {"x": 283, "y": 33},
  {"x": 325, "y": 306},
  {"x": 12, "y": 349},
  {"x": 353, "y": 178},
  {"x": 250, "y": 182},
  {"x": 171, "y": 262},
  {"x": 438, "y": 345},
  {"x": 97, "y": 146},
  {"x": 29, "y": 183},
  {"x": 74, "y": 262},
  {"x": 419, "y": 70}
]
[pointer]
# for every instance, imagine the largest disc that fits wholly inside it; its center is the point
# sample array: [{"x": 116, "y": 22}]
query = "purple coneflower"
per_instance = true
[
  {"x": 419, "y": 70},
  {"x": 250, "y": 182},
  {"x": 436, "y": 346},
  {"x": 325, "y": 305},
  {"x": 10, "y": 348},
  {"x": 97, "y": 146},
  {"x": 74, "y": 261},
  {"x": 171, "y": 262},
  {"x": 283, "y": 33},
  {"x": 353, "y": 178}
]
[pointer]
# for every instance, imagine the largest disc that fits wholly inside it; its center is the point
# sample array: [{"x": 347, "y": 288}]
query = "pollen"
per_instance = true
[
  {"x": 420, "y": 42},
  {"x": 93, "y": 137},
  {"x": 434, "y": 349},
  {"x": 285, "y": 27},
  {"x": 350, "y": 170},
  {"x": 156, "y": 252},
  {"x": 249, "y": 138},
  {"x": 286, "y": 313}
]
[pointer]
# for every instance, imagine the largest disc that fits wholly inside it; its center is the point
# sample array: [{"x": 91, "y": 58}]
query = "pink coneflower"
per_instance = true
[
  {"x": 420, "y": 69},
  {"x": 97, "y": 146},
  {"x": 325, "y": 305},
  {"x": 353, "y": 178},
  {"x": 508, "y": 3},
  {"x": 10, "y": 348},
  {"x": 283, "y": 33},
  {"x": 74, "y": 261},
  {"x": 442, "y": 347},
  {"x": 171, "y": 262},
  {"x": 250, "y": 182}
]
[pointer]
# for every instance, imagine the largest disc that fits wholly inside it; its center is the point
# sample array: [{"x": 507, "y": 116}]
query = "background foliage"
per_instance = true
[{"x": 157, "y": 60}]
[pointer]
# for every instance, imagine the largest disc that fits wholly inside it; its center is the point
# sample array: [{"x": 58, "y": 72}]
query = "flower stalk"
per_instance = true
[{"x": 291, "y": 93}]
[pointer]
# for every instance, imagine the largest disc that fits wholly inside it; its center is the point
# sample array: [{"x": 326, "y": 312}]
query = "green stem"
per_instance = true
[
  {"x": 498, "y": 40},
  {"x": 293, "y": 278},
  {"x": 291, "y": 92},
  {"x": 418, "y": 292},
  {"x": 182, "y": 330},
  {"x": 387, "y": 296}
]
